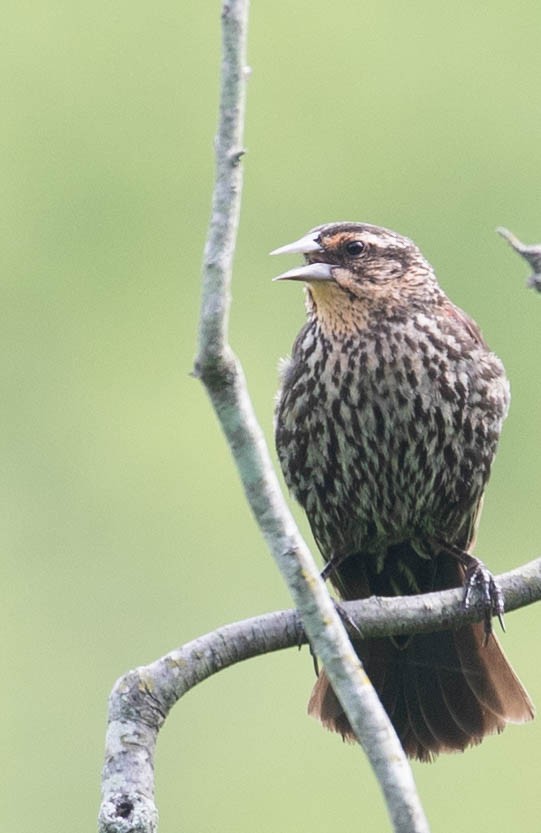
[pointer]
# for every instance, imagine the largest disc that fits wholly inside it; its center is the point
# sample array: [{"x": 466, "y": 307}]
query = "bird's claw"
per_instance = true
[
  {"x": 346, "y": 618},
  {"x": 479, "y": 577},
  {"x": 332, "y": 564},
  {"x": 328, "y": 570},
  {"x": 325, "y": 574}
]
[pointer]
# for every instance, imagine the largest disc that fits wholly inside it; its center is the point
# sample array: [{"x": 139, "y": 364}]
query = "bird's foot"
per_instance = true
[
  {"x": 332, "y": 565},
  {"x": 478, "y": 577},
  {"x": 346, "y": 618},
  {"x": 328, "y": 569}
]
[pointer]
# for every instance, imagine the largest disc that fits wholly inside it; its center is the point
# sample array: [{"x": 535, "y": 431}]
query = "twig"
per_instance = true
[{"x": 531, "y": 254}]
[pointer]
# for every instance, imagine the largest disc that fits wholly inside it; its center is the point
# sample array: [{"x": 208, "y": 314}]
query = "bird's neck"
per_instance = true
[
  {"x": 340, "y": 314},
  {"x": 336, "y": 312}
]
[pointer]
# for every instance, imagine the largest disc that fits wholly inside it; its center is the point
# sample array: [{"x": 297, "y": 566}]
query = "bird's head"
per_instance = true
[{"x": 352, "y": 269}]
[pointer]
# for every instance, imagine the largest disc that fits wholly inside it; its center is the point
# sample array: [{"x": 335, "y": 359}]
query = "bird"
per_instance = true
[{"x": 386, "y": 426}]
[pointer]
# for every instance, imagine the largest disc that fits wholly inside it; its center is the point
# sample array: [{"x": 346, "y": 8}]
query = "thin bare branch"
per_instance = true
[
  {"x": 531, "y": 254},
  {"x": 142, "y": 699},
  {"x": 128, "y": 797},
  {"x": 223, "y": 378}
]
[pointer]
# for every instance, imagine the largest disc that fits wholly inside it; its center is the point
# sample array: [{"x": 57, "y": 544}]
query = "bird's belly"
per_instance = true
[{"x": 379, "y": 464}]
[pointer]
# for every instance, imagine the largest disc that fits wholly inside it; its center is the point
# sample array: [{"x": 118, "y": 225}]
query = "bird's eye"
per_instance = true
[{"x": 354, "y": 247}]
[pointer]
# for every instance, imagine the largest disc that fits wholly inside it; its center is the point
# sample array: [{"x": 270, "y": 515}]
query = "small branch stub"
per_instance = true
[
  {"x": 530, "y": 253},
  {"x": 123, "y": 813}
]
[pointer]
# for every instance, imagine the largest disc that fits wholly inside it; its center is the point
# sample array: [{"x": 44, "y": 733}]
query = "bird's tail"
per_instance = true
[{"x": 443, "y": 691}]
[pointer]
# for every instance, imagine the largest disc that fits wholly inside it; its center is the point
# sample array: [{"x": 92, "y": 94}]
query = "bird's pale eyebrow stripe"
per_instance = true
[{"x": 382, "y": 241}]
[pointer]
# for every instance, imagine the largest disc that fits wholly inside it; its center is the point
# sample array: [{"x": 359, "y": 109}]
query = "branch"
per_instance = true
[
  {"x": 128, "y": 790},
  {"x": 185, "y": 667},
  {"x": 141, "y": 700},
  {"x": 221, "y": 373}
]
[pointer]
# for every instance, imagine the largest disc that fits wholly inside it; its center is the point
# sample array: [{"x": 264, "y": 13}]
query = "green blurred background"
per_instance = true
[{"x": 125, "y": 532}]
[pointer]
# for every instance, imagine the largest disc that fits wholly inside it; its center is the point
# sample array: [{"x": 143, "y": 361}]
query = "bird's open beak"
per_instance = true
[
  {"x": 303, "y": 246},
  {"x": 310, "y": 271}
]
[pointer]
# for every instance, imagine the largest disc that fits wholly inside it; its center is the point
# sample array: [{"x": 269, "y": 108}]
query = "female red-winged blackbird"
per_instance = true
[{"x": 386, "y": 427}]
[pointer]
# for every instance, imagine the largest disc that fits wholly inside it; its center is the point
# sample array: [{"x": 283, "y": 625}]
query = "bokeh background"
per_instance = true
[{"x": 125, "y": 532}]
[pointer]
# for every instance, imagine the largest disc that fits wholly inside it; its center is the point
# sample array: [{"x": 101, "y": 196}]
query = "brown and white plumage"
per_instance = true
[{"x": 387, "y": 424}]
